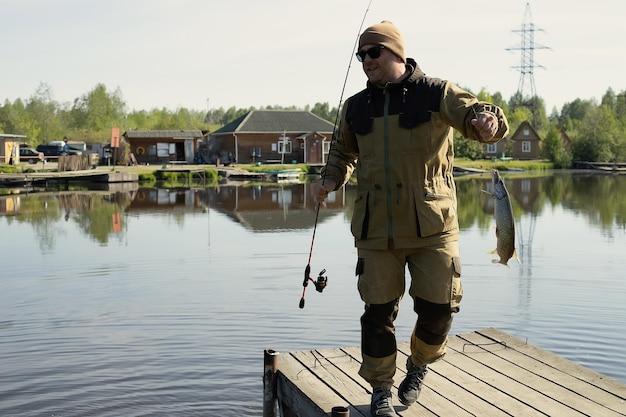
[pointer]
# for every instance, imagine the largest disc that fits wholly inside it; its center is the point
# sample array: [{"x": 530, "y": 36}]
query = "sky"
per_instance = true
[{"x": 207, "y": 54}]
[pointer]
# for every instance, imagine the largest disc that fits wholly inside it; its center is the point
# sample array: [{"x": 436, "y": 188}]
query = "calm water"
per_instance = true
[{"x": 154, "y": 302}]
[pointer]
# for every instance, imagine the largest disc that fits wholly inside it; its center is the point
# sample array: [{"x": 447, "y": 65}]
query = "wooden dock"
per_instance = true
[
  {"x": 91, "y": 175},
  {"x": 189, "y": 172},
  {"x": 486, "y": 373}
]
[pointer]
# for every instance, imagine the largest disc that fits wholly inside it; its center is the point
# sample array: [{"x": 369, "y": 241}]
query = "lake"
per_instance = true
[{"x": 160, "y": 302}]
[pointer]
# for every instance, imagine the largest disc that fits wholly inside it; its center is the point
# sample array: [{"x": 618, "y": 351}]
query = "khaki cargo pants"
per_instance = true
[{"x": 436, "y": 289}]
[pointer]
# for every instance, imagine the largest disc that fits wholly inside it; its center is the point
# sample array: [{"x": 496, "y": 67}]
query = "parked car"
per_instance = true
[
  {"x": 51, "y": 150},
  {"x": 57, "y": 150},
  {"x": 30, "y": 155}
]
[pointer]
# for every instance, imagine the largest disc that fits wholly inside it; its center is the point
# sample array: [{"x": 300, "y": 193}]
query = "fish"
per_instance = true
[{"x": 505, "y": 223}]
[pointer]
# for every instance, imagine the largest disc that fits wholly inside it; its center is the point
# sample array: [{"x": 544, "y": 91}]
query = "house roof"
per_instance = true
[
  {"x": 277, "y": 121},
  {"x": 163, "y": 134},
  {"x": 10, "y": 136},
  {"x": 518, "y": 135}
]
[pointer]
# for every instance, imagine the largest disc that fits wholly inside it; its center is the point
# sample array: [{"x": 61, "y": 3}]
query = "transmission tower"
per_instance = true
[{"x": 526, "y": 86}]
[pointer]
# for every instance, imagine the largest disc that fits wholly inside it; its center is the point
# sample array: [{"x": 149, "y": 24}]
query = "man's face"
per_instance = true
[{"x": 380, "y": 70}]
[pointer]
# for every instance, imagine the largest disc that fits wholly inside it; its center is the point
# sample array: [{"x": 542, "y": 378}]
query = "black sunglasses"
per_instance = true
[{"x": 373, "y": 52}]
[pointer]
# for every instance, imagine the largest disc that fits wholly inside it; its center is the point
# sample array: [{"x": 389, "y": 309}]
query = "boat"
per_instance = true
[{"x": 285, "y": 175}]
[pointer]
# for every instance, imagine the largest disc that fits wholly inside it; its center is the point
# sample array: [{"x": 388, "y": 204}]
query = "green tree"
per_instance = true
[
  {"x": 467, "y": 148},
  {"x": 45, "y": 111},
  {"x": 599, "y": 136},
  {"x": 98, "y": 111},
  {"x": 553, "y": 149},
  {"x": 15, "y": 119},
  {"x": 324, "y": 111}
]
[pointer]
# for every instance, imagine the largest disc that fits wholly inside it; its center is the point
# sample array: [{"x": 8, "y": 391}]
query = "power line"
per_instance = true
[{"x": 527, "y": 46}]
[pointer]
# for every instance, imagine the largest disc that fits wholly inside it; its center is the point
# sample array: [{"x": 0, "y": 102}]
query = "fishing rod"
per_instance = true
[{"x": 321, "y": 281}]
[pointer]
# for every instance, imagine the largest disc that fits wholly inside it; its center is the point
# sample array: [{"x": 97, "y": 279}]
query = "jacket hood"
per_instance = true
[
  {"x": 413, "y": 73},
  {"x": 414, "y": 70}
]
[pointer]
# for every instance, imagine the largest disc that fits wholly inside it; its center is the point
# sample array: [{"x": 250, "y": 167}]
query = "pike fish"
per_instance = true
[{"x": 505, "y": 224}]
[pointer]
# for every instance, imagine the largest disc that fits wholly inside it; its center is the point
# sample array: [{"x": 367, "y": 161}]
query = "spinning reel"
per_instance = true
[{"x": 320, "y": 282}]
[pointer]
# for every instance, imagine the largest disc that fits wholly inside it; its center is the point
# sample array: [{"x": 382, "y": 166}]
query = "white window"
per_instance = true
[
  {"x": 526, "y": 146},
  {"x": 284, "y": 145},
  {"x": 526, "y": 132},
  {"x": 492, "y": 148},
  {"x": 163, "y": 150},
  {"x": 326, "y": 146}
]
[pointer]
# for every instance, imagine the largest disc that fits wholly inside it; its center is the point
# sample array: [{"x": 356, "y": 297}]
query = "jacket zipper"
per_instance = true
[{"x": 386, "y": 157}]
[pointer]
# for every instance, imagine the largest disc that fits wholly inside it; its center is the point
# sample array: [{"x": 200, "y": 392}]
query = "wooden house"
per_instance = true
[
  {"x": 496, "y": 150},
  {"x": 164, "y": 146},
  {"x": 272, "y": 136},
  {"x": 525, "y": 142}
]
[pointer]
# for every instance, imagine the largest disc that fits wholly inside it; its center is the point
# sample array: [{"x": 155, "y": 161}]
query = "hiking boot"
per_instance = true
[
  {"x": 410, "y": 388},
  {"x": 381, "y": 403}
]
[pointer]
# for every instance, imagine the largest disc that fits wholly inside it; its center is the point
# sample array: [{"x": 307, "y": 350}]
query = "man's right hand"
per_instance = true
[{"x": 322, "y": 188}]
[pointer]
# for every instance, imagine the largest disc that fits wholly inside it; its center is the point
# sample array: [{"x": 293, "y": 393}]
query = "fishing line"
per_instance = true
[{"x": 321, "y": 281}]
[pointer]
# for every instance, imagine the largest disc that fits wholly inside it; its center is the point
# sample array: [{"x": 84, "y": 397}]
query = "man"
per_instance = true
[
  {"x": 397, "y": 135},
  {"x": 66, "y": 146}
]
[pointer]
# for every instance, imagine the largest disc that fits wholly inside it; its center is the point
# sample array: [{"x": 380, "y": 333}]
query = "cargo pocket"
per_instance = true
[
  {"x": 457, "y": 288},
  {"x": 360, "y": 217},
  {"x": 435, "y": 210}
]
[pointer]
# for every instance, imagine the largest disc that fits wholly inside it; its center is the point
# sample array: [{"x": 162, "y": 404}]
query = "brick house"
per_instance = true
[{"x": 272, "y": 136}]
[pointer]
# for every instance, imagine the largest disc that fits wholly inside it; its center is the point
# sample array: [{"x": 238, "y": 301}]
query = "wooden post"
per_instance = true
[
  {"x": 340, "y": 412},
  {"x": 269, "y": 383}
]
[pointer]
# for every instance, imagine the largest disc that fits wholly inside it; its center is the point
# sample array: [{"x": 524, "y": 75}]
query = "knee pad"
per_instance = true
[
  {"x": 378, "y": 334},
  {"x": 433, "y": 321}
]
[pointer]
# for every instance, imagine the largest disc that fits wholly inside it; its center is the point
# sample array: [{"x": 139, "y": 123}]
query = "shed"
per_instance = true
[
  {"x": 164, "y": 146},
  {"x": 526, "y": 142},
  {"x": 10, "y": 148},
  {"x": 272, "y": 136}
]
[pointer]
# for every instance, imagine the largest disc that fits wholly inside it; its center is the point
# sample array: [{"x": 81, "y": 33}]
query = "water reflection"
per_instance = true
[
  {"x": 274, "y": 208},
  {"x": 100, "y": 214}
]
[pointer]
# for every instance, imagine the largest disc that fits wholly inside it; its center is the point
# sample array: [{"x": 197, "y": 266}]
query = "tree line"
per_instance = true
[{"x": 597, "y": 130}]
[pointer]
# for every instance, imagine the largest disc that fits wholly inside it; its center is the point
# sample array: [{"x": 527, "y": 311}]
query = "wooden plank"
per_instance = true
[
  {"x": 490, "y": 401},
  {"x": 497, "y": 373},
  {"x": 479, "y": 398},
  {"x": 552, "y": 360},
  {"x": 588, "y": 390},
  {"x": 302, "y": 391},
  {"x": 324, "y": 364}
]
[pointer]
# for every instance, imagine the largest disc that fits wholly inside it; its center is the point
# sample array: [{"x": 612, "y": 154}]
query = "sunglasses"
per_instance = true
[{"x": 373, "y": 52}]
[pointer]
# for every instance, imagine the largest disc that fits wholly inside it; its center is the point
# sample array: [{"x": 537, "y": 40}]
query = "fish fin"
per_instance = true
[
  {"x": 489, "y": 192},
  {"x": 493, "y": 251},
  {"x": 516, "y": 257},
  {"x": 499, "y": 261}
]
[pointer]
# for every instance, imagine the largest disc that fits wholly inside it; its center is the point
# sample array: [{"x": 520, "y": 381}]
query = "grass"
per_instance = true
[{"x": 487, "y": 164}]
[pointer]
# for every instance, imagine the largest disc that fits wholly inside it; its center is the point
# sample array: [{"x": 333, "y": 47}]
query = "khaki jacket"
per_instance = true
[{"x": 398, "y": 139}]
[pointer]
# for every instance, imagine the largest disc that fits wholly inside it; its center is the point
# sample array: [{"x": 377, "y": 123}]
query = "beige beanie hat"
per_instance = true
[{"x": 384, "y": 33}]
